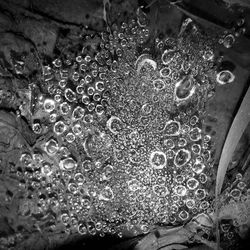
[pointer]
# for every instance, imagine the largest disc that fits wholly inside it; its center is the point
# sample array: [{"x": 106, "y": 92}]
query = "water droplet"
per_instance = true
[
  {"x": 180, "y": 190},
  {"x": 70, "y": 95},
  {"x": 106, "y": 194},
  {"x": 51, "y": 147},
  {"x": 49, "y": 105},
  {"x": 182, "y": 157},
  {"x": 192, "y": 183},
  {"x": 158, "y": 160},
  {"x": 142, "y": 18},
  {"x": 68, "y": 164},
  {"x": 225, "y": 77},
  {"x": 228, "y": 41},
  {"x": 59, "y": 128}
]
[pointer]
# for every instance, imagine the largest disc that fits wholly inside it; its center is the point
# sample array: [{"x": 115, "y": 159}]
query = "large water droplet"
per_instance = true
[
  {"x": 228, "y": 41},
  {"x": 68, "y": 164},
  {"x": 225, "y": 77},
  {"x": 158, "y": 160},
  {"x": 51, "y": 147},
  {"x": 49, "y": 105},
  {"x": 106, "y": 194}
]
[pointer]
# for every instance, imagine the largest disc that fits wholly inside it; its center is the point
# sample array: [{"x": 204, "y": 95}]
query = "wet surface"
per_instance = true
[{"x": 119, "y": 131}]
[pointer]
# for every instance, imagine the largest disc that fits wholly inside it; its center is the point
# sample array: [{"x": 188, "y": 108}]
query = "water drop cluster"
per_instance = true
[{"x": 122, "y": 132}]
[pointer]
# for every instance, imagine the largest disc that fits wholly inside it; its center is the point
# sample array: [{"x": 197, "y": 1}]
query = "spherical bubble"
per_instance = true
[
  {"x": 88, "y": 118},
  {"x": 75, "y": 76},
  {"x": 185, "y": 129},
  {"x": 182, "y": 157},
  {"x": 157, "y": 159},
  {"x": 70, "y": 95},
  {"x": 58, "y": 98},
  {"x": 190, "y": 203},
  {"x": 208, "y": 55},
  {"x": 99, "y": 86},
  {"x": 106, "y": 194},
  {"x": 57, "y": 63},
  {"x": 64, "y": 108},
  {"x": 72, "y": 187},
  {"x": 198, "y": 167},
  {"x": 180, "y": 190},
  {"x": 62, "y": 83},
  {"x": 235, "y": 193},
  {"x": 70, "y": 137},
  {"x": 182, "y": 142},
  {"x": 228, "y": 41},
  {"x": 49, "y": 105},
  {"x": 79, "y": 59},
  {"x": 241, "y": 185},
  {"x": 90, "y": 91},
  {"x": 68, "y": 164},
  {"x": 204, "y": 205},
  {"x": 203, "y": 178},
  {"x": 37, "y": 128},
  {"x": 38, "y": 157},
  {"x": 64, "y": 151},
  {"x": 146, "y": 109},
  {"x": 98, "y": 226},
  {"x": 107, "y": 172},
  {"x": 65, "y": 218},
  {"x": 99, "y": 109},
  {"x": 46, "y": 169},
  {"x": 91, "y": 106},
  {"x": 183, "y": 215},
  {"x": 169, "y": 143},
  {"x": 26, "y": 158},
  {"x": 59, "y": 128},
  {"x": 77, "y": 129},
  {"x": 80, "y": 89},
  {"x": 82, "y": 229},
  {"x": 158, "y": 84},
  {"x": 145, "y": 228},
  {"x": 79, "y": 178},
  {"x": 97, "y": 97},
  {"x": 196, "y": 148},
  {"x": 184, "y": 89},
  {"x": 87, "y": 165},
  {"x": 85, "y": 99},
  {"x": 53, "y": 117},
  {"x": 174, "y": 208},
  {"x": 225, "y": 77},
  {"x": 165, "y": 72},
  {"x": 143, "y": 60},
  {"x": 78, "y": 113},
  {"x": 170, "y": 154},
  {"x": 115, "y": 125},
  {"x": 179, "y": 179},
  {"x": 195, "y": 134},
  {"x": 167, "y": 56},
  {"x": 238, "y": 176},
  {"x": 51, "y": 147},
  {"x": 88, "y": 79},
  {"x": 172, "y": 128},
  {"x": 193, "y": 120},
  {"x": 192, "y": 183},
  {"x": 142, "y": 18},
  {"x": 200, "y": 194}
]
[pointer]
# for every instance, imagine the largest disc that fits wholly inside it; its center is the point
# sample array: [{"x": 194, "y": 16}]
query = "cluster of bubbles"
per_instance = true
[
  {"x": 228, "y": 40},
  {"x": 236, "y": 200},
  {"x": 121, "y": 128}
]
